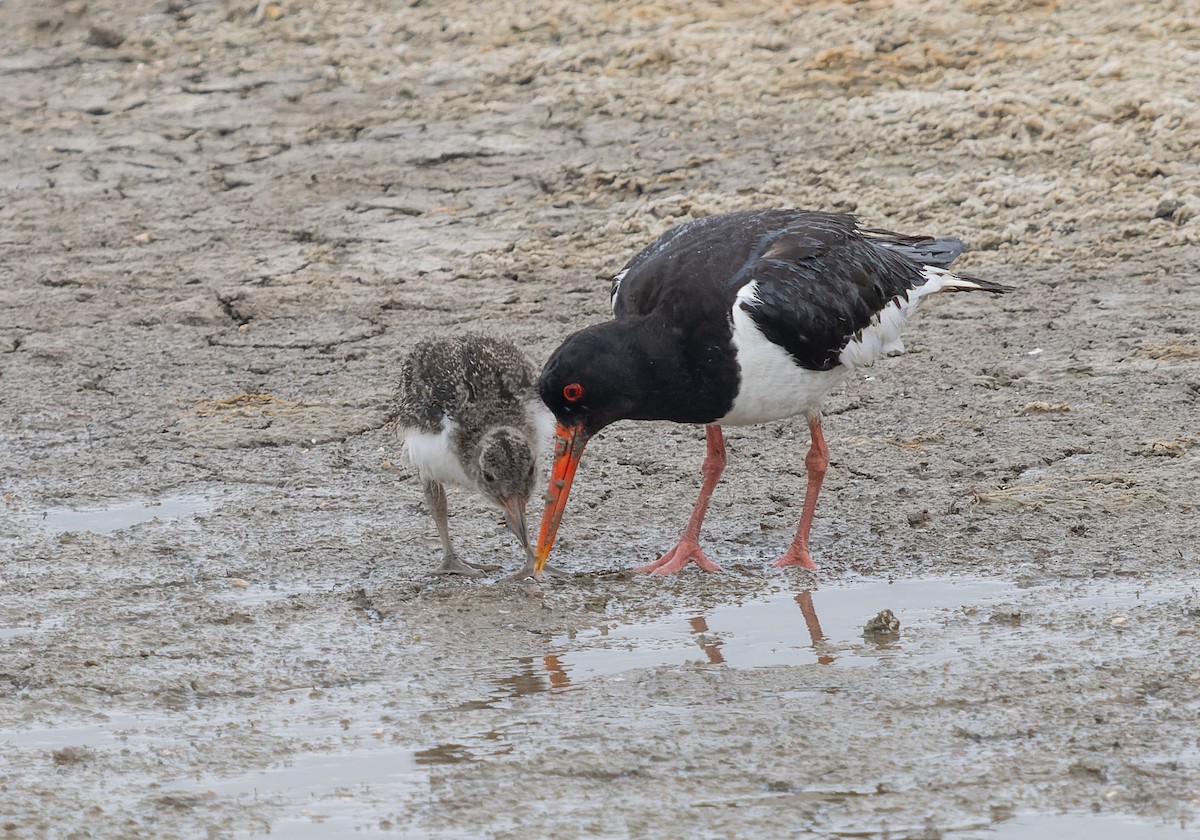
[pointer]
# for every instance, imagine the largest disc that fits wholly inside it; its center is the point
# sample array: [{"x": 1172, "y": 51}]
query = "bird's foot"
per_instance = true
[
  {"x": 526, "y": 573},
  {"x": 795, "y": 557},
  {"x": 687, "y": 551},
  {"x": 454, "y": 566}
]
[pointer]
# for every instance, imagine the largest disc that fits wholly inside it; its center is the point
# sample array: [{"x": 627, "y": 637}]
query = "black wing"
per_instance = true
[
  {"x": 690, "y": 265},
  {"x": 820, "y": 277},
  {"x": 821, "y": 282}
]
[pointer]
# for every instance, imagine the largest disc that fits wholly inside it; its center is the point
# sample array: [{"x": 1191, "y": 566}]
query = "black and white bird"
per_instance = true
[
  {"x": 734, "y": 320},
  {"x": 470, "y": 416}
]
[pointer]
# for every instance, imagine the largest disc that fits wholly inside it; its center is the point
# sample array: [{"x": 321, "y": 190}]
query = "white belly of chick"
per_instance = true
[{"x": 434, "y": 455}]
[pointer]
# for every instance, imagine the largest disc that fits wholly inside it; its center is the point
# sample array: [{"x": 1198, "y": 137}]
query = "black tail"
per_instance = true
[
  {"x": 935, "y": 252},
  {"x": 967, "y": 283},
  {"x": 926, "y": 250}
]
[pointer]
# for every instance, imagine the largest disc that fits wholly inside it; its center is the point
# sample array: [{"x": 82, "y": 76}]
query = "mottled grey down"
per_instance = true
[
  {"x": 480, "y": 390},
  {"x": 477, "y": 380}
]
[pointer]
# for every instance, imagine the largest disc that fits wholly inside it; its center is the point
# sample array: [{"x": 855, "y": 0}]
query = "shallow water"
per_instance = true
[
  {"x": 322, "y": 791},
  {"x": 1085, "y": 827},
  {"x": 812, "y": 627},
  {"x": 116, "y": 517},
  {"x": 335, "y": 774}
]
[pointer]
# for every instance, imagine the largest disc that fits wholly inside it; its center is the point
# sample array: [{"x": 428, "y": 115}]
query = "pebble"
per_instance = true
[
  {"x": 1167, "y": 207},
  {"x": 102, "y": 36}
]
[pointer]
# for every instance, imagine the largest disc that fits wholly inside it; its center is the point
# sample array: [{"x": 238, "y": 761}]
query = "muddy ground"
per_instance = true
[{"x": 218, "y": 236}]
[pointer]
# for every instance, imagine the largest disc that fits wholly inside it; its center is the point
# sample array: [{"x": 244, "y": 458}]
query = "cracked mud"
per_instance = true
[{"x": 223, "y": 223}]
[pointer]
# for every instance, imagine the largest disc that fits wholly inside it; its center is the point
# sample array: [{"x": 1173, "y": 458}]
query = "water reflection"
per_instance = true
[
  {"x": 832, "y": 628},
  {"x": 529, "y": 675},
  {"x": 709, "y": 644},
  {"x": 758, "y": 633},
  {"x": 847, "y": 626},
  {"x": 804, "y": 600}
]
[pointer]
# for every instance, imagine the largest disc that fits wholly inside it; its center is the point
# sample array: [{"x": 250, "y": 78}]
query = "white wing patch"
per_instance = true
[
  {"x": 882, "y": 336},
  {"x": 616, "y": 287},
  {"x": 772, "y": 385},
  {"x": 433, "y": 455}
]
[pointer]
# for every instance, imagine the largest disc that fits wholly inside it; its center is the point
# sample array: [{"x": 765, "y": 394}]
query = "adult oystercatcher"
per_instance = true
[
  {"x": 738, "y": 319},
  {"x": 470, "y": 416}
]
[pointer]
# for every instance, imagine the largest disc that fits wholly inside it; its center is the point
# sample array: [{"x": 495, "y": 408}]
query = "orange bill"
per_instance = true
[{"x": 569, "y": 442}]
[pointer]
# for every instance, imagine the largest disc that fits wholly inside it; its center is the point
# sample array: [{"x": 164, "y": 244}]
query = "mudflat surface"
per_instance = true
[{"x": 218, "y": 236}]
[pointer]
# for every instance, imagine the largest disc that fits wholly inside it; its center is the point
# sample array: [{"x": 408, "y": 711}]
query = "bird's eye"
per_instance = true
[
  {"x": 573, "y": 392},
  {"x": 489, "y": 476}
]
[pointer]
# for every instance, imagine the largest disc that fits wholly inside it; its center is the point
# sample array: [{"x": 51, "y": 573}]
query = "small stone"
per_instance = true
[
  {"x": 239, "y": 583},
  {"x": 884, "y": 623},
  {"x": 918, "y": 518},
  {"x": 101, "y": 36},
  {"x": 1167, "y": 207}
]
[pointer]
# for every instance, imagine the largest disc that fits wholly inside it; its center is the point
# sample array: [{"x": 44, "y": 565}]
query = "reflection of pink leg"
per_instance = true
[
  {"x": 805, "y": 602},
  {"x": 817, "y": 461},
  {"x": 713, "y": 649},
  {"x": 558, "y": 674},
  {"x": 687, "y": 550}
]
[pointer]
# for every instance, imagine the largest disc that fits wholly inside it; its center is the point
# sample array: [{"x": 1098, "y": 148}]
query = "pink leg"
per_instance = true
[
  {"x": 688, "y": 548},
  {"x": 817, "y": 461}
]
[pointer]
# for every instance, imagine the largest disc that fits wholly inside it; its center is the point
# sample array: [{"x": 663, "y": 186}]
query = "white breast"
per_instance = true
[
  {"x": 542, "y": 422},
  {"x": 433, "y": 455},
  {"x": 772, "y": 385}
]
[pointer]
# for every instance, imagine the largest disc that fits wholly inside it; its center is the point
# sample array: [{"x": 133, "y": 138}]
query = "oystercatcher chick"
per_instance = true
[
  {"x": 469, "y": 414},
  {"x": 733, "y": 320}
]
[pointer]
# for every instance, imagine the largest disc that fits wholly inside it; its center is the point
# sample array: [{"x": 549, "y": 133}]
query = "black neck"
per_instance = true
[{"x": 674, "y": 372}]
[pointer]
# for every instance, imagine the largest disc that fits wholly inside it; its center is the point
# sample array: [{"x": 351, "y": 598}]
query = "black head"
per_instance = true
[
  {"x": 633, "y": 368},
  {"x": 594, "y": 378}
]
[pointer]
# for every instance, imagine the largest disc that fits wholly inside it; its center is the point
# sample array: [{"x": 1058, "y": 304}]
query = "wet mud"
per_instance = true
[{"x": 224, "y": 223}]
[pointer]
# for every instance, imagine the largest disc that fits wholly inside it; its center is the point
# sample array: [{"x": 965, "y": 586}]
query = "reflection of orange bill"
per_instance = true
[
  {"x": 558, "y": 673},
  {"x": 568, "y": 448}
]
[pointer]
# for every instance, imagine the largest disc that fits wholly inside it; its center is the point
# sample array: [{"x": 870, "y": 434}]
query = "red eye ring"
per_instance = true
[{"x": 573, "y": 392}]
